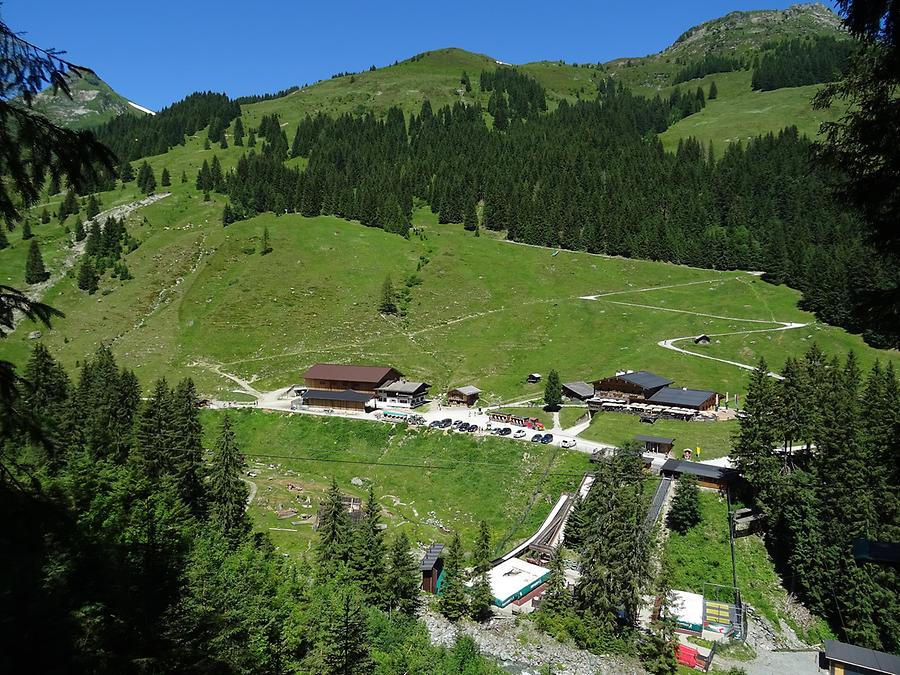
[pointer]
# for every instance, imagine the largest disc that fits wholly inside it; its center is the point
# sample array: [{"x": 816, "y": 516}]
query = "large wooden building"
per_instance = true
[
  {"x": 341, "y": 377},
  {"x": 692, "y": 399},
  {"x": 632, "y": 386}
]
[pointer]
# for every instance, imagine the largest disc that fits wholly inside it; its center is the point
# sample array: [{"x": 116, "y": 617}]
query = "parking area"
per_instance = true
[{"x": 475, "y": 422}]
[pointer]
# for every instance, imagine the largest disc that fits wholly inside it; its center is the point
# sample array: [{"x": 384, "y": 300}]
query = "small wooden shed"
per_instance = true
[
  {"x": 708, "y": 475},
  {"x": 660, "y": 444},
  {"x": 467, "y": 395},
  {"x": 432, "y": 566},
  {"x": 580, "y": 391}
]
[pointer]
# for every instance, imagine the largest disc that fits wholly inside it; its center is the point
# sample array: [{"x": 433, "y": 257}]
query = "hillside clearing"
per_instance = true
[
  {"x": 480, "y": 311},
  {"x": 428, "y": 482}
]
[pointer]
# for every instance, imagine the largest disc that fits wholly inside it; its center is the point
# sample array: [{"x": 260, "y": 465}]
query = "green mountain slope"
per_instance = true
[
  {"x": 205, "y": 303},
  {"x": 740, "y": 35},
  {"x": 739, "y": 113},
  {"x": 434, "y": 75},
  {"x": 93, "y": 102}
]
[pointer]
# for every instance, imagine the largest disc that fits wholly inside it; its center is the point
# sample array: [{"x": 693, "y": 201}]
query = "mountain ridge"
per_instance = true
[
  {"x": 435, "y": 74},
  {"x": 92, "y": 102}
]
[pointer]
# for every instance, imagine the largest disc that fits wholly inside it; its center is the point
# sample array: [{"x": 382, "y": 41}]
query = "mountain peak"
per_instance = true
[
  {"x": 93, "y": 102},
  {"x": 746, "y": 31}
]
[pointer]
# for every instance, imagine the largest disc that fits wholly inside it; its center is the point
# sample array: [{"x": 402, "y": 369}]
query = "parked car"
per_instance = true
[
  {"x": 446, "y": 422},
  {"x": 568, "y": 443},
  {"x": 537, "y": 438},
  {"x": 435, "y": 424},
  {"x": 464, "y": 426},
  {"x": 456, "y": 423},
  {"x": 473, "y": 428},
  {"x": 506, "y": 431},
  {"x": 547, "y": 438},
  {"x": 520, "y": 433}
]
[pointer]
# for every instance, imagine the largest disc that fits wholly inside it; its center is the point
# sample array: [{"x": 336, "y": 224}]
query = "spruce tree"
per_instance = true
[
  {"x": 657, "y": 649},
  {"x": 553, "y": 390},
  {"x": 46, "y": 392},
  {"x": 470, "y": 220},
  {"x": 204, "y": 182},
  {"x": 80, "y": 234},
  {"x": 155, "y": 435},
  {"x": 35, "y": 272},
  {"x": 216, "y": 178},
  {"x": 251, "y": 139},
  {"x": 367, "y": 554},
  {"x": 45, "y": 216},
  {"x": 69, "y": 206},
  {"x": 227, "y": 492},
  {"x": 206, "y": 145},
  {"x": 453, "y": 602},
  {"x": 265, "y": 247},
  {"x": 126, "y": 172},
  {"x": 388, "y": 302},
  {"x": 149, "y": 185},
  {"x": 557, "y": 600},
  {"x": 753, "y": 453},
  {"x": 188, "y": 444},
  {"x": 685, "y": 510},
  {"x": 614, "y": 554},
  {"x": 576, "y": 524},
  {"x": 238, "y": 132},
  {"x": 402, "y": 578},
  {"x": 166, "y": 179},
  {"x": 26, "y": 231},
  {"x": 713, "y": 91},
  {"x": 343, "y": 643},
  {"x": 4, "y": 241},
  {"x": 87, "y": 277},
  {"x": 93, "y": 207},
  {"x": 481, "y": 595},
  {"x": 333, "y": 529},
  {"x": 227, "y": 215}
]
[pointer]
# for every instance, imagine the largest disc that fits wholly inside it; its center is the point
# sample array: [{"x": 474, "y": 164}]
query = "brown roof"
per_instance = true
[{"x": 347, "y": 373}]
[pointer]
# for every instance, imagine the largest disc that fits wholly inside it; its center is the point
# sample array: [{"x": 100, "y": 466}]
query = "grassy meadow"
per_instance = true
[
  {"x": 481, "y": 310},
  {"x": 739, "y": 114},
  {"x": 713, "y": 438},
  {"x": 428, "y": 482}
]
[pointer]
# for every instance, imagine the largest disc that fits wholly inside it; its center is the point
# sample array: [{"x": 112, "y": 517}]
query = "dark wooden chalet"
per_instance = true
[
  {"x": 634, "y": 386},
  {"x": 692, "y": 399},
  {"x": 340, "y": 377}
]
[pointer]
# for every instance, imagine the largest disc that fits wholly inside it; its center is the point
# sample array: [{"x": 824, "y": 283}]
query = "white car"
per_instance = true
[
  {"x": 568, "y": 443},
  {"x": 519, "y": 434}
]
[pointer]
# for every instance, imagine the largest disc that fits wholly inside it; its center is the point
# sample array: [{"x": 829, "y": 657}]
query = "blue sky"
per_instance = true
[{"x": 159, "y": 51}]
